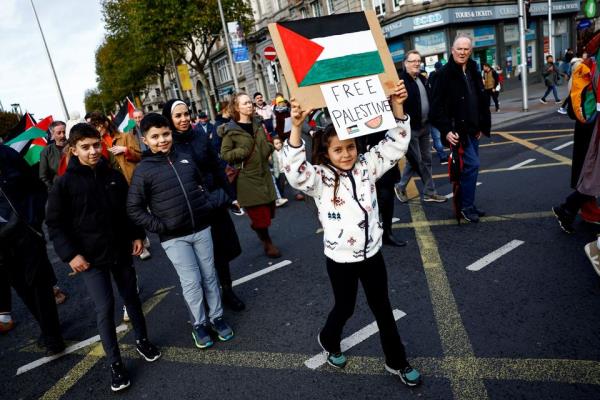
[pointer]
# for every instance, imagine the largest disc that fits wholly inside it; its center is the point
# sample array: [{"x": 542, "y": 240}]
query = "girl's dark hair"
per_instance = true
[
  {"x": 97, "y": 118},
  {"x": 320, "y": 145},
  {"x": 82, "y": 131}
]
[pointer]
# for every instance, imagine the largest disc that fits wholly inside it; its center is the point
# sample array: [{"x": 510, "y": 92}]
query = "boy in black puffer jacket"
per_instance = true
[
  {"x": 89, "y": 227},
  {"x": 169, "y": 184}
]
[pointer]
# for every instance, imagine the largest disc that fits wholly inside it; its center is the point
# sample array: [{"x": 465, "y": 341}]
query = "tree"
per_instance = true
[
  {"x": 7, "y": 121},
  {"x": 190, "y": 28},
  {"x": 95, "y": 100}
]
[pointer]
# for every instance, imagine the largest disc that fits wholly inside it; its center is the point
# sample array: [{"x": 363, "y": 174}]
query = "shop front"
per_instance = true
[{"x": 433, "y": 48}]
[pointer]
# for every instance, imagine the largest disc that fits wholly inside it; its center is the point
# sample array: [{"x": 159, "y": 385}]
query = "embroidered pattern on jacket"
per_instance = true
[
  {"x": 334, "y": 216},
  {"x": 331, "y": 245}
]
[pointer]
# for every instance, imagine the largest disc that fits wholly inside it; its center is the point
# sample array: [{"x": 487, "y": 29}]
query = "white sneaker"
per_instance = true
[
  {"x": 561, "y": 111},
  {"x": 280, "y": 202},
  {"x": 125, "y": 315},
  {"x": 145, "y": 254},
  {"x": 593, "y": 253}
]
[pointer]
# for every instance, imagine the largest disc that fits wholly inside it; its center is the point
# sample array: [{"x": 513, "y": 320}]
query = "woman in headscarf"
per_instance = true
[
  {"x": 197, "y": 144},
  {"x": 246, "y": 146}
]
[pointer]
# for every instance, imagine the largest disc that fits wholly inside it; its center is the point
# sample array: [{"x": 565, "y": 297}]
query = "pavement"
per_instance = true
[{"x": 511, "y": 105}]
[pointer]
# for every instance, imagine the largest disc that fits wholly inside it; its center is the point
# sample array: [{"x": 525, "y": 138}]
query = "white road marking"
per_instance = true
[
  {"x": 351, "y": 341},
  {"x": 68, "y": 350},
  {"x": 451, "y": 195},
  {"x": 261, "y": 272},
  {"x": 562, "y": 146},
  {"x": 494, "y": 255},
  {"x": 394, "y": 220},
  {"x": 123, "y": 327},
  {"x": 519, "y": 165}
]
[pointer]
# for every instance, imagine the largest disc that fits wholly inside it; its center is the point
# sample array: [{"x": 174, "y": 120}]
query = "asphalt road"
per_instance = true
[{"x": 525, "y": 326}]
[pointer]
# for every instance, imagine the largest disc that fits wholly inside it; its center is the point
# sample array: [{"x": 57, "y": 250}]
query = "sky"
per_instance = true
[{"x": 73, "y": 31}]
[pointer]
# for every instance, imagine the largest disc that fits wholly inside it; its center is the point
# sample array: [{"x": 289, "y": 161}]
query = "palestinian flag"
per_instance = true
[
  {"x": 24, "y": 123},
  {"x": 124, "y": 119},
  {"x": 330, "y": 48},
  {"x": 29, "y": 144}
]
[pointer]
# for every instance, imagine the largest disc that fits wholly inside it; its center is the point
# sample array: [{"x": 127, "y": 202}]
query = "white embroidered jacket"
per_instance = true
[{"x": 352, "y": 230}]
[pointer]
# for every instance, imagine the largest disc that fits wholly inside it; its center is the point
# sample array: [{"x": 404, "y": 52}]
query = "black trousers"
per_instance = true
[
  {"x": 25, "y": 262},
  {"x": 98, "y": 283},
  {"x": 385, "y": 196},
  {"x": 344, "y": 281},
  {"x": 575, "y": 201},
  {"x": 494, "y": 96},
  {"x": 5, "y": 295}
]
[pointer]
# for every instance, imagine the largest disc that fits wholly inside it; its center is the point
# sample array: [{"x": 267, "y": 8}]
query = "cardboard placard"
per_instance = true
[
  {"x": 309, "y": 94},
  {"x": 358, "y": 106}
]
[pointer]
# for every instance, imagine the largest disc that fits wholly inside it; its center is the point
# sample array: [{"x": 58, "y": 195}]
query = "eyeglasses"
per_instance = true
[{"x": 413, "y": 61}]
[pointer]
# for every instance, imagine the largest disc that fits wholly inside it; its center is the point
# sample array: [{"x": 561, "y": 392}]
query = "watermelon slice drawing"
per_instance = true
[{"x": 374, "y": 123}]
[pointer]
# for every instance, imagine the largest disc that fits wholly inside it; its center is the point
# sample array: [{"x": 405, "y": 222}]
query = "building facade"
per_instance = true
[{"x": 428, "y": 26}]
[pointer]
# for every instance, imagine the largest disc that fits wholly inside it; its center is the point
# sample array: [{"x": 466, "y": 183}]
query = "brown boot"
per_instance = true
[{"x": 270, "y": 249}]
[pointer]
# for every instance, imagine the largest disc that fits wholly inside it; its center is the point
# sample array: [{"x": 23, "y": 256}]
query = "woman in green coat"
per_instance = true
[{"x": 246, "y": 147}]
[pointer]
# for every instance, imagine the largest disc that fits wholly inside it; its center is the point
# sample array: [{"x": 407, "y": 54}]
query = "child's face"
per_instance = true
[
  {"x": 88, "y": 151},
  {"x": 158, "y": 140},
  {"x": 277, "y": 143},
  {"x": 342, "y": 153}
]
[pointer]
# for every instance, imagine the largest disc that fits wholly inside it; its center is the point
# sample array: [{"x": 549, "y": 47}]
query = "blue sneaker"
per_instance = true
[
  {"x": 201, "y": 336},
  {"x": 222, "y": 329},
  {"x": 337, "y": 360},
  {"x": 408, "y": 375}
]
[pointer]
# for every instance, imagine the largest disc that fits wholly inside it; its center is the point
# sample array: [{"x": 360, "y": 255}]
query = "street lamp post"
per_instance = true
[
  {"x": 226, "y": 34},
  {"x": 550, "y": 30},
  {"x": 523, "y": 64},
  {"x": 62, "y": 99}
]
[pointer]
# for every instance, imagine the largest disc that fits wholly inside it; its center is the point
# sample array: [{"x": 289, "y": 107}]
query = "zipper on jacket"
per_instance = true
[
  {"x": 184, "y": 193},
  {"x": 364, "y": 211}
]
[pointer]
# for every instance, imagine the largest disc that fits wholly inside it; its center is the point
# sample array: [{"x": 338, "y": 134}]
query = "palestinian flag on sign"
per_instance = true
[
  {"x": 124, "y": 119},
  {"x": 330, "y": 48}
]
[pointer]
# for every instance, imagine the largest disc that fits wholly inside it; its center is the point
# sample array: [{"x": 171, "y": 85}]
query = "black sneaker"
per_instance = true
[
  {"x": 408, "y": 375},
  {"x": 470, "y": 214},
  {"x": 565, "y": 219},
  {"x": 479, "y": 212},
  {"x": 147, "y": 350},
  {"x": 120, "y": 377}
]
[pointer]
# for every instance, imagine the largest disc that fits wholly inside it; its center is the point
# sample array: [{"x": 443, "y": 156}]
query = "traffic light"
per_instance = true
[
  {"x": 274, "y": 71},
  {"x": 527, "y": 16}
]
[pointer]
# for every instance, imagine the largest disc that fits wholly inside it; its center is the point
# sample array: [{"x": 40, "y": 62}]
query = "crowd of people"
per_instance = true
[{"x": 101, "y": 191}]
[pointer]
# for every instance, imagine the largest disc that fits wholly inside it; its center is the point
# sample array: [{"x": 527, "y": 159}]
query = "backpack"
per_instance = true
[{"x": 582, "y": 96}]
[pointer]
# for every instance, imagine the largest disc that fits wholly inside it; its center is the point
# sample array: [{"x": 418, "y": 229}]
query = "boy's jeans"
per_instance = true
[
  {"x": 554, "y": 92},
  {"x": 193, "y": 259}
]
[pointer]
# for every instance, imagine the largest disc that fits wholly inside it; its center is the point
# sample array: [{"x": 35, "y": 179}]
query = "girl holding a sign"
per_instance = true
[{"x": 342, "y": 183}]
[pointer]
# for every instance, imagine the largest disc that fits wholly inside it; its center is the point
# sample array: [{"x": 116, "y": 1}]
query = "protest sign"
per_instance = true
[
  {"x": 315, "y": 51},
  {"x": 358, "y": 106}
]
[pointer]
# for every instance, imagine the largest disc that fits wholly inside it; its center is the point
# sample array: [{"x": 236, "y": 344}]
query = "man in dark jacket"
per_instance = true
[
  {"x": 23, "y": 257},
  {"x": 419, "y": 149},
  {"x": 460, "y": 110},
  {"x": 88, "y": 224},
  {"x": 50, "y": 156}
]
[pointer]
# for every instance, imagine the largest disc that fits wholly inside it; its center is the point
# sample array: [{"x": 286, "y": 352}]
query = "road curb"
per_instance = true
[{"x": 520, "y": 118}]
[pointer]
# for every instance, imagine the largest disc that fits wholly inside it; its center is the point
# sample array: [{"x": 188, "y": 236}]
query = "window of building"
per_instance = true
[
  {"x": 315, "y": 7},
  {"x": 330, "y": 7},
  {"x": 303, "y": 12},
  {"x": 398, "y": 3},
  {"x": 223, "y": 72},
  {"x": 157, "y": 92},
  {"x": 379, "y": 7}
]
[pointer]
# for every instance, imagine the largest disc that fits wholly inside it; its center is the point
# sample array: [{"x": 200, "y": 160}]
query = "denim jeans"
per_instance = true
[
  {"x": 419, "y": 149},
  {"x": 554, "y": 92},
  {"x": 193, "y": 259},
  {"x": 468, "y": 177},
  {"x": 437, "y": 143}
]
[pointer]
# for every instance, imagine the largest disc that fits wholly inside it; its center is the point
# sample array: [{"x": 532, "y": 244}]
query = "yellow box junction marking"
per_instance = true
[
  {"x": 535, "y": 147},
  {"x": 95, "y": 354}
]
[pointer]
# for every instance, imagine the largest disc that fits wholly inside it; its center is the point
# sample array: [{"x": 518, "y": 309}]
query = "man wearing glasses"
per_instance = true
[{"x": 419, "y": 149}]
